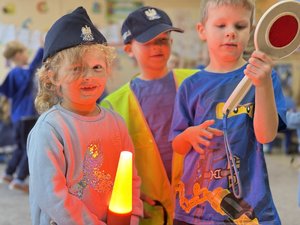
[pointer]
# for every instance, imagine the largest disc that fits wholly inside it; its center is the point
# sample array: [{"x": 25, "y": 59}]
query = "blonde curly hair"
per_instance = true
[{"x": 49, "y": 82}]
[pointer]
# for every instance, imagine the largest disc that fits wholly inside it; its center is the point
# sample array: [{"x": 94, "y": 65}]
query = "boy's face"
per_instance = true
[
  {"x": 226, "y": 31},
  {"x": 21, "y": 58},
  {"x": 83, "y": 83},
  {"x": 153, "y": 55}
]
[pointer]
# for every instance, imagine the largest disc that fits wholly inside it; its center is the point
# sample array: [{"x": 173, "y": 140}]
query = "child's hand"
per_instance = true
[
  {"x": 259, "y": 69},
  {"x": 149, "y": 201},
  {"x": 201, "y": 135}
]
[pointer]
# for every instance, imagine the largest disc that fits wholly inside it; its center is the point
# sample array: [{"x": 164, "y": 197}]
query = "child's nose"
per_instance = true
[
  {"x": 86, "y": 72},
  {"x": 231, "y": 34}
]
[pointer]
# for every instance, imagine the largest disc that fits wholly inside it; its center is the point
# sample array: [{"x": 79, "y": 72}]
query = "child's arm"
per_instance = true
[
  {"x": 183, "y": 134},
  {"x": 195, "y": 136},
  {"x": 265, "y": 115},
  {"x": 36, "y": 62}
]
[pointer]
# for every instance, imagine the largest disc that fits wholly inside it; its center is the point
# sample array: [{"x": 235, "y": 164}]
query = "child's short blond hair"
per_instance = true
[
  {"x": 12, "y": 48},
  {"x": 204, "y": 5},
  {"x": 49, "y": 82}
]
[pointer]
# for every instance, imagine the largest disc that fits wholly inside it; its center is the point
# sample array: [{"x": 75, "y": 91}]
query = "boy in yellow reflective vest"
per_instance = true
[{"x": 146, "y": 104}]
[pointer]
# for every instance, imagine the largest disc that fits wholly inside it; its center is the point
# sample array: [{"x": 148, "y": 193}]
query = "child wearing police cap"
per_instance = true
[
  {"x": 74, "y": 147},
  {"x": 146, "y": 104}
]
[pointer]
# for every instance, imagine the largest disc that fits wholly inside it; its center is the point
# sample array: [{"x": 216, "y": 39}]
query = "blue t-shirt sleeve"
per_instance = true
[
  {"x": 37, "y": 61},
  {"x": 12, "y": 82},
  {"x": 19, "y": 78},
  {"x": 280, "y": 101},
  {"x": 181, "y": 115}
]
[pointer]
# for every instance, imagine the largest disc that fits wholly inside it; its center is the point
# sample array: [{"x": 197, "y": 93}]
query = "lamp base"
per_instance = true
[{"x": 118, "y": 219}]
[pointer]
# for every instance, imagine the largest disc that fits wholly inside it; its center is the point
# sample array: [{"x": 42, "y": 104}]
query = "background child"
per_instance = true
[
  {"x": 73, "y": 167},
  {"x": 7, "y": 132},
  {"x": 146, "y": 104},
  {"x": 20, "y": 88},
  {"x": 207, "y": 191}
]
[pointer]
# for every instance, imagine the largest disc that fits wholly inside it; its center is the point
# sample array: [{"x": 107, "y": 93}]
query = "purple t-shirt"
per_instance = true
[{"x": 156, "y": 98}]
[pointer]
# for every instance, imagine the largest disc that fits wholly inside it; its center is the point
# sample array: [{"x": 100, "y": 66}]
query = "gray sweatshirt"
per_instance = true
[{"x": 72, "y": 162}]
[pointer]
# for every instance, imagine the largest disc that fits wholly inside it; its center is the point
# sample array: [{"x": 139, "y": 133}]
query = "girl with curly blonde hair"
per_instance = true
[{"x": 74, "y": 147}]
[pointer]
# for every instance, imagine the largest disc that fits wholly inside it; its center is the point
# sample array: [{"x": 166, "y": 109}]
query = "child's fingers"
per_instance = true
[
  {"x": 253, "y": 65},
  {"x": 259, "y": 62},
  {"x": 204, "y": 129},
  {"x": 250, "y": 75},
  {"x": 262, "y": 57},
  {"x": 206, "y": 133},
  {"x": 206, "y": 124},
  {"x": 147, "y": 199},
  {"x": 215, "y": 131},
  {"x": 210, "y": 131},
  {"x": 198, "y": 149},
  {"x": 201, "y": 134},
  {"x": 203, "y": 141}
]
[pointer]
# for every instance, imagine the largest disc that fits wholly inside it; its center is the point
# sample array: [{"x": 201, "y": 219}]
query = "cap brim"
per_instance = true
[{"x": 155, "y": 31}]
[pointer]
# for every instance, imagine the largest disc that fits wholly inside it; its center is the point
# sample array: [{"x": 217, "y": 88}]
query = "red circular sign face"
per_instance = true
[{"x": 283, "y": 31}]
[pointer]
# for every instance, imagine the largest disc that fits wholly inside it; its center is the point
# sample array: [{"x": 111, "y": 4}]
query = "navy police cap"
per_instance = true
[
  {"x": 146, "y": 23},
  {"x": 70, "y": 30}
]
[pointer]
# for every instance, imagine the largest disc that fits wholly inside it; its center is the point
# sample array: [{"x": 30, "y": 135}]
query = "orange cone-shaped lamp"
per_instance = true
[{"x": 120, "y": 205}]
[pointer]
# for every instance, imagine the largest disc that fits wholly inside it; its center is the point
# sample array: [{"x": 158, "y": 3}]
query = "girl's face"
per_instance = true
[
  {"x": 83, "y": 83},
  {"x": 226, "y": 31}
]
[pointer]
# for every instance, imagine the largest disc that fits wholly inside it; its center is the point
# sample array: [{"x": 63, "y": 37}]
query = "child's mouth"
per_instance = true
[{"x": 88, "y": 88}]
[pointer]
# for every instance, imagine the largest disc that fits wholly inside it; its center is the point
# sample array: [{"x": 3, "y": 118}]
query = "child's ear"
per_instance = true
[
  {"x": 201, "y": 31},
  {"x": 128, "y": 49}
]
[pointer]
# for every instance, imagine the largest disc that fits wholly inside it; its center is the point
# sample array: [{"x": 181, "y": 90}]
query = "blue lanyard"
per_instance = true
[{"x": 231, "y": 162}]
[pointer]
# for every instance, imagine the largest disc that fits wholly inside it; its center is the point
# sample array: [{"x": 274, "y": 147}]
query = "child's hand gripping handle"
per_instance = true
[
  {"x": 271, "y": 29},
  {"x": 237, "y": 95}
]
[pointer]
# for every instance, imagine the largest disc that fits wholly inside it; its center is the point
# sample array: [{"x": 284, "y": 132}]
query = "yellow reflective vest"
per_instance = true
[{"x": 155, "y": 183}]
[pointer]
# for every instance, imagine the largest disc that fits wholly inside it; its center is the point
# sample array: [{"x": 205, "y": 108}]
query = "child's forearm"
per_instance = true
[
  {"x": 180, "y": 145},
  {"x": 134, "y": 220},
  {"x": 265, "y": 117}
]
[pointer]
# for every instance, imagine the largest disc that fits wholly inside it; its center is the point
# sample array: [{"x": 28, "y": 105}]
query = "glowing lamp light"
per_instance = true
[{"x": 120, "y": 205}]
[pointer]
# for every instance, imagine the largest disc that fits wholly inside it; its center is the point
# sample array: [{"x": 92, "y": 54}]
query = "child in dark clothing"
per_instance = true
[
  {"x": 7, "y": 133},
  {"x": 19, "y": 87}
]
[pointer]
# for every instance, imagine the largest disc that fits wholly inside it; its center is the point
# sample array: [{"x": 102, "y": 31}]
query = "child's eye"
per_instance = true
[
  {"x": 76, "y": 69},
  {"x": 164, "y": 40},
  {"x": 98, "y": 68},
  {"x": 221, "y": 25},
  {"x": 240, "y": 27}
]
